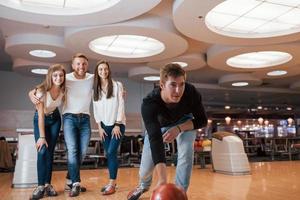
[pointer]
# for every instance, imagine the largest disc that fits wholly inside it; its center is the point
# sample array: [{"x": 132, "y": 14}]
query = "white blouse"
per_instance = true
[
  {"x": 49, "y": 104},
  {"x": 112, "y": 110}
]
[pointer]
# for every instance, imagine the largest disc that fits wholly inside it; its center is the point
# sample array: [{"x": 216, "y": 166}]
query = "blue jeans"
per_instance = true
[
  {"x": 111, "y": 146},
  {"x": 185, "y": 148},
  {"x": 77, "y": 133},
  {"x": 45, "y": 155}
]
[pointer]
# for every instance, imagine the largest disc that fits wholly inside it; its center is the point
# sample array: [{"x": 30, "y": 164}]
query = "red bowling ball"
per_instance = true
[{"x": 169, "y": 191}]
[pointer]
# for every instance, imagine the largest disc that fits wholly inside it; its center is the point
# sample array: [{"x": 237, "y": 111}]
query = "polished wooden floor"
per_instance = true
[{"x": 268, "y": 181}]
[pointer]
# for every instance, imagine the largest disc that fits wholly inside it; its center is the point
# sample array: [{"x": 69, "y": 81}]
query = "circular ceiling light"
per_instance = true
[
  {"x": 261, "y": 59},
  {"x": 60, "y": 7},
  {"x": 254, "y": 19},
  {"x": 39, "y": 71},
  {"x": 151, "y": 78},
  {"x": 240, "y": 84},
  {"x": 277, "y": 73},
  {"x": 127, "y": 46},
  {"x": 182, "y": 64},
  {"x": 42, "y": 53},
  {"x": 227, "y": 107}
]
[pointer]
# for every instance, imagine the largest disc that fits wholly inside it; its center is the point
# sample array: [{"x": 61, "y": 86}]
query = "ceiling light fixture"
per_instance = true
[
  {"x": 289, "y": 108},
  {"x": 240, "y": 84},
  {"x": 42, "y": 53},
  {"x": 254, "y": 19},
  {"x": 182, "y": 64},
  {"x": 151, "y": 78},
  {"x": 261, "y": 59},
  {"x": 39, "y": 71},
  {"x": 277, "y": 73},
  {"x": 127, "y": 46},
  {"x": 227, "y": 107}
]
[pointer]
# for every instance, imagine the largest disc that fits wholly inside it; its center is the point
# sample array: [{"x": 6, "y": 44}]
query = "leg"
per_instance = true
[
  {"x": 84, "y": 139},
  {"x": 185, "y": 145},
  {"x": 41, "y": 155},
  {"x": 145, "y": 172},
  {"x": 112, "y": 154},
  {"x": 147, "y": 165},
  {"x": 54, "y": 129},
  {"x": 71, "y": 139}
]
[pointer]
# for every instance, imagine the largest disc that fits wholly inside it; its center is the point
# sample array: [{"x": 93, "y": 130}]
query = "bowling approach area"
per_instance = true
[{"x": 268, "y": 181}]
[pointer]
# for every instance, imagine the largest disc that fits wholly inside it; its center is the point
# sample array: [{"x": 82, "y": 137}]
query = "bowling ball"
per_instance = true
[{"x": 169, "y": 191}]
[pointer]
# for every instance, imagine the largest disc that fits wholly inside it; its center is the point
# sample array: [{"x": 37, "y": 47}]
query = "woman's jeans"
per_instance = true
[
  {"x": 111, "y": 146},
  {"x": 45, "y": 155},
  {"x": 185, "y": 148},
  {"x": 77, "y": 133}
]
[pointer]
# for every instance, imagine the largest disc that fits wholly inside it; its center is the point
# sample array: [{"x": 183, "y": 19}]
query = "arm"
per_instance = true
[
  {"x": 97, "y": 117},
  {"x": 33, "y": 98},
  {"x": 200, "y": 118},
  {"x": 41, "y": 124},
  {"x": 173, "y": 132},
  {"x": 149, "y": 114},
  {"x": 121, "y": 107},
  {"x": 120, "y": 112}
]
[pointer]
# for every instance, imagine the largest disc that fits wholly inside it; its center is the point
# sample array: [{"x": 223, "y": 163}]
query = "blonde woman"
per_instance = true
[
  {"x": 47, "y": 122},
  {"x": 109, "y": 114}
]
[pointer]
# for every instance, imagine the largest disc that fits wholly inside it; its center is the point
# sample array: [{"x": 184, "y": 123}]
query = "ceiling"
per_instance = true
[{"x": 181, "y": 27}]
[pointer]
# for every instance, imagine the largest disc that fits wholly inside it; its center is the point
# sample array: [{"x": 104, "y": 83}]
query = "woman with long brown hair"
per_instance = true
[
  {"x": 109, "y": 114},
  {"x": 47, "y": 122}
]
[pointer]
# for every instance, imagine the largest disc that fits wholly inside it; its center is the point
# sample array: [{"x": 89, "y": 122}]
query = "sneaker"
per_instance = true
[
  {"x": 75, "y": 191},
  {"x": 110, "y": 189},
  {"x": 49, "y": 191},
  {"x": 136, "y": 193},
  {"x": 38, "y": 193},
  {"x": 104, "y": 188},
  {"x": 68, "y": 187}
]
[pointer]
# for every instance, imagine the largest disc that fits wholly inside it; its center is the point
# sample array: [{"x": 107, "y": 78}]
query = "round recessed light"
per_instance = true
[
  {"x": 289, "y": 108},
  {"x": 151, "y": 78},
  {"x": 254, "y": 19},
  {"x": 127, "y": 46},
  {"x": 182, "y": 64},
  {"x": 39, "y": 71},
  {"x": 240, "y": 84},
  {"x": 261, "y": 59},
  {"x": 277, "y": 73},
  {"x": 227, "y": 107},
  {"x": 42, "y": 53}
]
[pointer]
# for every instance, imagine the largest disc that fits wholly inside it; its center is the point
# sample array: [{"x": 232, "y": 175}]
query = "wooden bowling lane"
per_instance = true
[{"x": 268, "y": 181}]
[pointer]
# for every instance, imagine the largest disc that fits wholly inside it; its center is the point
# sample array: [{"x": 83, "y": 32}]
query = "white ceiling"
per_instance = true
[{"x": 179, "y": 24}]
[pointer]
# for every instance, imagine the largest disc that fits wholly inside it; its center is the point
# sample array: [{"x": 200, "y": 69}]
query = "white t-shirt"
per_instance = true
[
  {"x": 78, "y": 94},
  {"x": 49, "y": 104},
  {"x": 109, "y": 111}
]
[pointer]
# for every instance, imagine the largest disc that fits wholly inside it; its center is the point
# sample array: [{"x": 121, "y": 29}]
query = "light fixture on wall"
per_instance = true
[
  {"x": 227, "y": 120},
  {"x": 227, "y": 107},
  {"x": 290, "y": 121},
  {"x": 239, "y": 122},
  {"x": 209, "y": 121},
  {"x": 260, "y": 120},
  {"x": 266, "y": 122}
]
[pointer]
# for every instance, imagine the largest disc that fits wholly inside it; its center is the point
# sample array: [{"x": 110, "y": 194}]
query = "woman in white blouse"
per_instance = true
[
  {"x": 47, "y": 122},
  {"x": 108, "y": 103}
]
